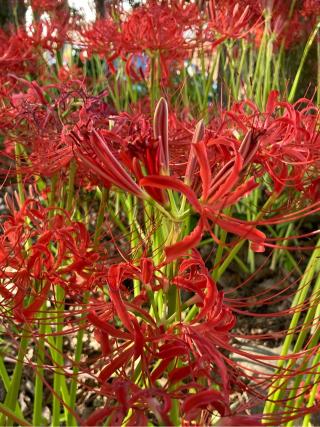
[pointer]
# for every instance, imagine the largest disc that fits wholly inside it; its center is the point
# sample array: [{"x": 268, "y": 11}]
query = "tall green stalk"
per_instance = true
[
  {"x": 279, "y": 385},
  {"x": 79, "y": 339},
  {"x": 38, "y": 389},
  {"x": 13, "y": 391},
  {"x": 14, "y": 387},
  {"x": 307, "y": 48}
]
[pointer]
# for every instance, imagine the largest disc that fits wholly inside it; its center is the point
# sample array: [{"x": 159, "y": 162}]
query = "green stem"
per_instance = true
[
  {"x": 191, "y": 313},
  {"x": 154, "y": 80},
  {"x": 14, "y": 387},
  {"x": 13, "y": 391},
  {"x": 267, "y": 71},
  {"x": 77, "y": 357},
  {"x": 257, "y": 73},
  {"x": 18, "y": 154},
  {"x": 312, "y": 314},
  {"x": 220, "y": 248},
  {"x": 72, "y": 175},
  {"x": 100, "y": 217},
  {"x": 303, "y": 59},
  {"x": 242, "y": 59},
  {"x": 298, "y": 301},
  {"x": 38, "y": 390},
  {"x": 58, "y": 358},
  {"x": 314, "y": 390},
  {"x": 281, "y": 50},
  {"x": 79, "y": 345},
  {"x": 134, "y": 237},
  {"x": 185, "y": 88}
]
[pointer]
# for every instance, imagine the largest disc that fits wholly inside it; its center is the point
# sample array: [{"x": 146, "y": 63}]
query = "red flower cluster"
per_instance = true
[
  {"x": 155, "y": 29},
  {"x": 230, "y": 19},
  {"x": 287, "y": 136},
  {"x": 16, "y": 54},
  {"x": 182, "y": 357},
  {"x": 40, "y": 249}
]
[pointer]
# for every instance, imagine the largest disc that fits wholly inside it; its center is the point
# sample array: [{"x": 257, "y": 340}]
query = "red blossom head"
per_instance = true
[
  {"x": 101, "y": 38},
  {"x": 231, "y": 19},
  {"x": 160, "y": 28}
]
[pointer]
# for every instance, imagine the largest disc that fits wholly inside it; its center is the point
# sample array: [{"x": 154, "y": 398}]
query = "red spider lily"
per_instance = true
[
  {"x": 216, "y": 193},
  {"x": 49, "y": 34},
  {"x": 231, "y": 19},
  {"x": 288, "y": 138},
  {"x": 193, "y": 356},
  {"x": 143, "y": 149},
  {"x": 193, "y": 276},
  {"x": 158, "y": 28},
  {"x": 157, "y": 363},
  {"x": 27, "y": 257},
  {"x": 16, "y": 54},
  {"x": 132, "y": 144},
  {"x": 46, "y": 138},
  {"x": 93, "y": 151},
  {"x": 141, "y": 401},
  {"x": 122, "y": 348},
  {"x": 34, "y": 121},
  {"x": 102, "y": 38},
  {"x": 139, "y": 147},
  {"x": 149, "y": 27}
]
